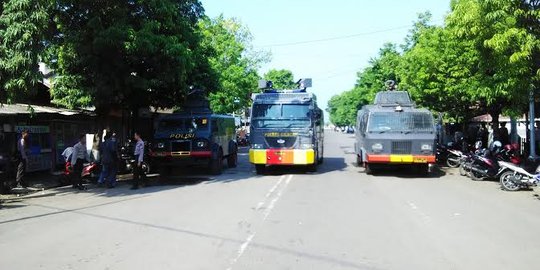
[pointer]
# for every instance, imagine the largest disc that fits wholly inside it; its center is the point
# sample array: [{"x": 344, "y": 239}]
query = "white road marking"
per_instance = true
[
  {"x": 241, "y": 250},
  {"x": 267, "y": 212},
  {"x": 426, "y": 218},
  {"x": 269, "y": 193},
  {"x": 273, "y": 202}
]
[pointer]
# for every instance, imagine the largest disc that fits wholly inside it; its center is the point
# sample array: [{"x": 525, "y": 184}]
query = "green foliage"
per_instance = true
[
  {"x": 127, "y": 53},
  {"x": 23, "y": 28},
  {"x": 281, "y": 78},
  {"x": 486, "y": 58},
  {"x": 233, "y": 60},
  {"x": 343, "y": 108},
  {"x": 440, "y": 73}
]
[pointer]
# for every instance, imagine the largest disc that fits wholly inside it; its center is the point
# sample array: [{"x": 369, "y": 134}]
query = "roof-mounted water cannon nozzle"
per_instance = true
[
  {"x": 304, "y": 83},
  {"x": 399, "y": 108},
  {"x": 266, "y": 85},
  {"x": 390, "y": 85}
]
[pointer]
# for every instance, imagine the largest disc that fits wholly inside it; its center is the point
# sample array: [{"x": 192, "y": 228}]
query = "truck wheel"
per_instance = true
[
  {"x": 359, "y": 161},
  {"x": 216, "y": 163},
  {"x": 232, "y": 160},
  {"x": 164, "y": 172},
  {"x": 368, "y": 168},
  {"x": 423, "y": 169},
  {"x": 260, "y": 169}
]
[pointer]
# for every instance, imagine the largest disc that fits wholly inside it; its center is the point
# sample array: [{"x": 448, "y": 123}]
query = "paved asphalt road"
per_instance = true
[{"x": 338, "y": 218}]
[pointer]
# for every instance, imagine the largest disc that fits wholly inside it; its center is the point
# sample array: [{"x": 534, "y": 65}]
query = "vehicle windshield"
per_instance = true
[
  {"x": 186, "y": 124},
  {"x": 401, "y": 122},
  {"x": 281, "y": 116}
]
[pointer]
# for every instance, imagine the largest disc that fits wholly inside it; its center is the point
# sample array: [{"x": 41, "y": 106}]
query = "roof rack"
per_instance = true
[{"x": 268, "y": 86}]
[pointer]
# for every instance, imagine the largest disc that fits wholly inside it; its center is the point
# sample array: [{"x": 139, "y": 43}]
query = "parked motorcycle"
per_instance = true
[
  {"x": 485, "y": 167},
  {"x": 515, "y": 178},
  {"x": 90, "y": 172}
]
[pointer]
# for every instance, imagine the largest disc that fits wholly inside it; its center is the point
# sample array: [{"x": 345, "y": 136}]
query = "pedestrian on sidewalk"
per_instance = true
[
  {"x": 115, "y": 160},
  {"x": 78, "y": 157},
  {"x": 106, "y": 159},
  {"x": 138, "y": 173},
  {"x": 22, "y": 159}
]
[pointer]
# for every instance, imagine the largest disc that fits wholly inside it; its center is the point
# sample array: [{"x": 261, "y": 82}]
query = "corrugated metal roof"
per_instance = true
[{"x": 20, "y": 108}]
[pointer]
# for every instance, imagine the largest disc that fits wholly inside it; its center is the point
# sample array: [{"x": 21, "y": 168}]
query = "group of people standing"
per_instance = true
[
  {"x": 110, "y": 158},
  {"x": 76, "y": 156}
]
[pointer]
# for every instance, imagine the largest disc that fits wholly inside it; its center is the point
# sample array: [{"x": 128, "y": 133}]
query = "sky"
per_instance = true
[{"x": 301, "y": 34}]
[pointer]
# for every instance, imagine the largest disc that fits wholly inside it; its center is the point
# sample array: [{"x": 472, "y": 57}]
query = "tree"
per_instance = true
[
  {"x": 281, "y": 78},
  {"x": 506, "y": 36},
  {"x": 343, "y": 108},
  {"x": 131, "y": 54},
  {"x": 234, "y": 61},
  {"x": 24, "y": 26},
  {"x": 441, "y": 73}
]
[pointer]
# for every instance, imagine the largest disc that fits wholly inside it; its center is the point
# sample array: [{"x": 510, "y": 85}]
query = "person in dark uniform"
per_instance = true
[
  {"x": 78, "y": 157},
  {"x": 138, "y": 173},
  {"x": 504, "y": 134},
  {"x": 22, "y": 159}
]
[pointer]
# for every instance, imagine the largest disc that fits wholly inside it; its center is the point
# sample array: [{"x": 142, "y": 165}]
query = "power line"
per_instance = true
[{"x": 336, "y": 37}]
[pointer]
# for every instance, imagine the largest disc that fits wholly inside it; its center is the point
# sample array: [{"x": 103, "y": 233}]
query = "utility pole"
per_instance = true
[{"x": 532, "y": 143}]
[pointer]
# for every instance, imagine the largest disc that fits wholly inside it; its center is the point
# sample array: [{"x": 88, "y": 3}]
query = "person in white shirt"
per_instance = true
[
  {"x": 138, "y": 173},
  {"x": 78, "y": 157}
]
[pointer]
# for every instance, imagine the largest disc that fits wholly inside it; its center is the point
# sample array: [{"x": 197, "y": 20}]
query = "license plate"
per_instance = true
[{"x": 420, "y": 160}]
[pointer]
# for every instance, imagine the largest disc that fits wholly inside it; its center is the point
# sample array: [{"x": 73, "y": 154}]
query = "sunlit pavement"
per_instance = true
[{"x": 337, "y": 218}]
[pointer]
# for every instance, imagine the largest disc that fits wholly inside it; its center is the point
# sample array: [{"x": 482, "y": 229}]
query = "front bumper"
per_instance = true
[
  {"x": 400, "y": 159},
  {"x": 180, "y": 158},
  {"x": 282, "y": 156}
]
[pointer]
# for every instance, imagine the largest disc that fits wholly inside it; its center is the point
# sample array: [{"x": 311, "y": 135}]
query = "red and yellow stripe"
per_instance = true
[
  {"x": 282, "y": 156},
  {"x": 400, "y": 159}
]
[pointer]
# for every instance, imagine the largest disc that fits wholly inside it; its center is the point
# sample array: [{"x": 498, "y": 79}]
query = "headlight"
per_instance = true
[
  {"x": 426, "y": 147},
  {"x": 201, "y": 144},
  {"x": 377, "y": 147},
  {"x": 307, "y": 146},
  {"x": 160, "y": 145},
  {"x": 257, "y": 146}
]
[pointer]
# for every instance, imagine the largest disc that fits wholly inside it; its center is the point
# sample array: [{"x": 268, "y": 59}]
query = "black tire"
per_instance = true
[
  {"x": 423, "y": 169},
  {"x": 164, "y": 172},
  {"x": 260, "y": 169},
  {"x": 321, "y": 157},
  {"x": 476, "y": 176},
  {"x": 216, "y": 163},
  {"x": 312, "y": 167},
  {"x": 359, "y": 161},
  {"x": 462, "y": 170},
  {"x": 452, "y": 161},
  {"x": 507, "y": 183},
  {"x": 232, "y": 160},
  {"x": 368, "y": 168}
]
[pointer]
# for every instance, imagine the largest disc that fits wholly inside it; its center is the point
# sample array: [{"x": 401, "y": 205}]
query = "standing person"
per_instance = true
[
  {"x": 22, "y": 159},
  {"x": 106, "y": 159},
  {"x": 115, "y": 160},
  {"x": 491, "y": 135},
  {"x": 482, "y": 135},
  {"x": 78, "y": 158},
  {"x": 504, "y": 134},
  {"x": 138, "y": 173}
]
